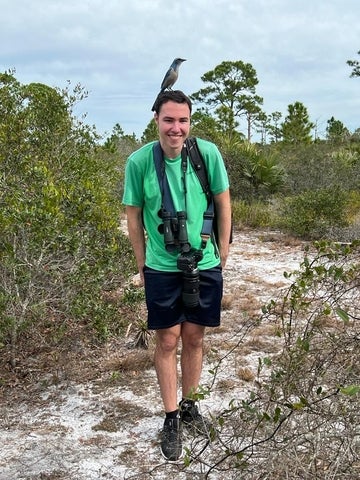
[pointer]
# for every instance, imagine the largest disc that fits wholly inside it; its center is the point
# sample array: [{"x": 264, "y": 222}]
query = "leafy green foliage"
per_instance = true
[
  {"x": 310, "y": 214},
  {"x": 263, "y": 173},
  {"x": 59, "y": 217},
  {"x": 305, "y": 398},
  {"x": 254, "y": 173}
]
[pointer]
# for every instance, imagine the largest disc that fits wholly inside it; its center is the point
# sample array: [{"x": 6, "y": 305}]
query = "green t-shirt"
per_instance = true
[{"x": 142, "y": 190}]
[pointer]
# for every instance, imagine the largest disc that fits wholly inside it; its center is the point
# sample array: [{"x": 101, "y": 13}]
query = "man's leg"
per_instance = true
[
  {"x": 166, "y": 365},
  {"x": 191, "y": 365},
  {"x": 166, "y": 369},
  {"x": 192, "y": 336}
]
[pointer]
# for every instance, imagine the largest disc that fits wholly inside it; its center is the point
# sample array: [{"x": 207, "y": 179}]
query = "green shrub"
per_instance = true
[
  {"x": 311, "y": 213},
  {"x": 353, "y": 206},
  {"x": 60, "y": 244},
  {"x": 254, "y": 214}
]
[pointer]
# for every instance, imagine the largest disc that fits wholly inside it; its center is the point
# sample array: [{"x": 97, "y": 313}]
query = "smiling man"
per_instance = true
[{"x": 173, "y": 257}]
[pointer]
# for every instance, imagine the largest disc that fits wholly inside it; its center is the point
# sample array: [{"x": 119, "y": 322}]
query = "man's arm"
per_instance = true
[
  {"x": 223, "y": 214},
  {"x": 137, "y": 236}
]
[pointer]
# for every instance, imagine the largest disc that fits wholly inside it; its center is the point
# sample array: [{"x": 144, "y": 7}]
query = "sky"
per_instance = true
[{"x": 119, "y": 51}]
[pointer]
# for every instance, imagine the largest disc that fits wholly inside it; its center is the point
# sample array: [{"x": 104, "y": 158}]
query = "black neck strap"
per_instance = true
[{"x": 167, "y": 201}]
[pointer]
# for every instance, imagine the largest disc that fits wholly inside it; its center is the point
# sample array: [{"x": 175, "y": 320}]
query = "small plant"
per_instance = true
[
  {"x": 142, "y": 335},
  {"x": 133, "y": 295}
]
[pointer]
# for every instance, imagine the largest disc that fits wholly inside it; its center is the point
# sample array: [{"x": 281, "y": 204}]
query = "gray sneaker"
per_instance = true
[
  {"x": 191, "y": 418},
  {"x": 171, "y": 445}
]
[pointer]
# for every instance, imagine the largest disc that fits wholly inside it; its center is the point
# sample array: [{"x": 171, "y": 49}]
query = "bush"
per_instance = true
[
  {"x": 254, "y": 173},
  {"x": 353, "y": 207},
  {"x": 300, "y": 417},
  {"x": 312, "y": 213},
  {"x": 254, "y": 214},
  {"x": 319, "y": 166},
  {"x": 60, "y": 243}
]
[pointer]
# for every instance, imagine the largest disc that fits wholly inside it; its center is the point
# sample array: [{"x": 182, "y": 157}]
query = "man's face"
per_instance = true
[{"x": 173, "y": 122}]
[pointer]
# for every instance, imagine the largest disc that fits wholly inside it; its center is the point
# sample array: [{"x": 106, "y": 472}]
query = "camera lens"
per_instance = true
[{"x": 190, "y": 292}]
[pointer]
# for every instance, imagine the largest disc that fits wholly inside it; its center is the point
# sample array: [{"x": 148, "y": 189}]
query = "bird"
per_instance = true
[
  {"x": 170, "y": 77},
  {"x": 172, "y": 74}
]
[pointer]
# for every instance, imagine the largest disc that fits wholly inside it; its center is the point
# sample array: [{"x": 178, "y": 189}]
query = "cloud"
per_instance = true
[{"x": 119, "y": 51}]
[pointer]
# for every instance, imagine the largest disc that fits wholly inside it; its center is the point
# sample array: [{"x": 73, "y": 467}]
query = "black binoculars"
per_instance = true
[{"x": 175, "y": 232}]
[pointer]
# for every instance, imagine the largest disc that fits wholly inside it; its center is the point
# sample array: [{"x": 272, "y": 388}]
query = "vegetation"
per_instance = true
[
  {"x": 61, "y": 189},
  {"x": 355, "y": 65},
  {"x": 60, "y": 244},
  {"x": 288, "y": 425},
  {"x": 297, "y": 127},
  {"x": 231, "y": 93},
  {"x": 65, "y": 263}
]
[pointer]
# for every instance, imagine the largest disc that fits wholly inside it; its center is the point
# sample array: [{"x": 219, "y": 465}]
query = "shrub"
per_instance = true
[
  {"x": 311, "y": 213},
  {"x": 254, "y": 214},
  {"x": 300, "y": 418},
  {"x": 60, "y": 241},
  {"x": 353, "y": 206}
]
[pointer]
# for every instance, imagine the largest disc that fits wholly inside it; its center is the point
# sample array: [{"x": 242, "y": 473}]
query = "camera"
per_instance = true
[
  {"x": 176, "y": 239},
  {"x": 187, "y": 262}
]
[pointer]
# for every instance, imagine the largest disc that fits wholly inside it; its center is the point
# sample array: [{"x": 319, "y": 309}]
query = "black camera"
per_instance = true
[
  {"x": 176, "y": 239},
  {"x": 187, "y": 262}
]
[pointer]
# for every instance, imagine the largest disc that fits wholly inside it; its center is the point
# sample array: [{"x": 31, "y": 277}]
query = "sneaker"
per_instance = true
[
  {"x": 191, "y": 418},
  {"x": 171, "y": 446}
]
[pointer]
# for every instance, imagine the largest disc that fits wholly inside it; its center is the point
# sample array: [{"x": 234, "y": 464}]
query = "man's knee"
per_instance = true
[
  {"x": 167, "y": 340},
  {"x": 192, "y": 335}
]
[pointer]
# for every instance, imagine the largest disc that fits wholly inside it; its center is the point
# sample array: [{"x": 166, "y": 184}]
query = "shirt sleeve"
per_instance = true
[{"x": 133, "y": 185}]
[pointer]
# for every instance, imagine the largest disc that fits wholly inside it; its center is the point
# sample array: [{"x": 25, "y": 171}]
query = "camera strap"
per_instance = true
[
  {"x": 167, "y": 201},
  {"x": 190, "y": 149},
  {"x": 198, "y": 164}
]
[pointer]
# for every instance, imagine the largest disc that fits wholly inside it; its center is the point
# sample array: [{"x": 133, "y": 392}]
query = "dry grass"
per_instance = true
[
  {"x": 265, "y": 330},
  {"x": 246, "y": 374},
  {"x": 227, "y": 302},
  {"x": 285, "y": 239},
  {"x": 118, "y": 411}
]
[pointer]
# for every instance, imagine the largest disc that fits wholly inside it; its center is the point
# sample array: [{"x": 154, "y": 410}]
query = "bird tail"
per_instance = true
[{"x": 153, "y": 108}]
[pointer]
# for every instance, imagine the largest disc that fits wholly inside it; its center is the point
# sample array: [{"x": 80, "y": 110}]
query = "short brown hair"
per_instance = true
[{"x": 171, "y": 95}]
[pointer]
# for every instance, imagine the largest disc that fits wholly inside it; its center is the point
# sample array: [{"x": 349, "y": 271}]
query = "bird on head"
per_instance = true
[
  {"x": 170, "y": 77},
  {"x": 172, "y": 74}
]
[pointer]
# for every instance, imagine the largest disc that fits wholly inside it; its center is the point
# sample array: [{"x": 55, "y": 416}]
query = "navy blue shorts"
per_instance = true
[{"x": 163, "y": 291}]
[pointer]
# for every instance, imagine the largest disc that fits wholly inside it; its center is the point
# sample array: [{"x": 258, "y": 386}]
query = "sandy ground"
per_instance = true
[{"x": 106, "y": 425}]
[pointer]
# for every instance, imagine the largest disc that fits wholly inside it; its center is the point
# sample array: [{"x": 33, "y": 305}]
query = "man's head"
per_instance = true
[
  {"x": 172, "y": 116},
  {"x": 176, "y": 96}
]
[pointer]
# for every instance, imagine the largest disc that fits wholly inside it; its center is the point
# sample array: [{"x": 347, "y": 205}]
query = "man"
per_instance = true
[{"x": 158, "y": 266}]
